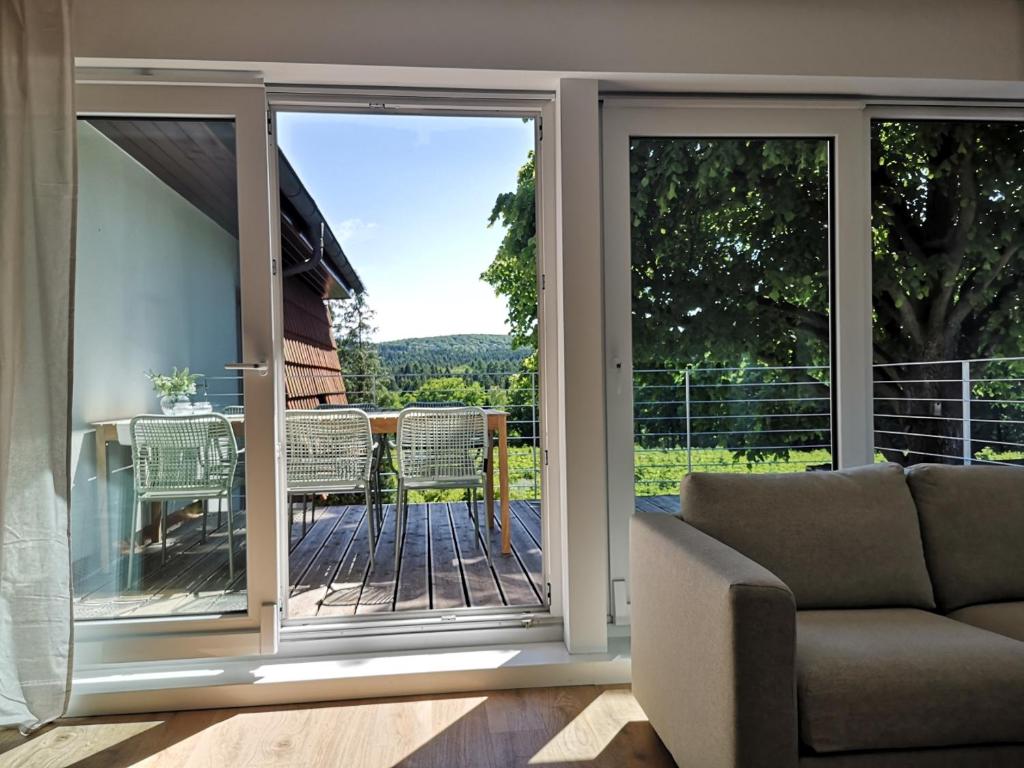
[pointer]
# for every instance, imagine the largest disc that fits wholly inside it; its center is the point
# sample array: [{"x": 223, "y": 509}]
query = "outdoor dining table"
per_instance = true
[{"x": 381, "y": 423}]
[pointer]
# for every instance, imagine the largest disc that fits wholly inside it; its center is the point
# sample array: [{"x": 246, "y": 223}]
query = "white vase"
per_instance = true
[{"x": 175, "y": 405}]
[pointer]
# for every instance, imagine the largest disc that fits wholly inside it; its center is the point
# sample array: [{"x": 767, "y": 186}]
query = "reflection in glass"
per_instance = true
[{"x": 157, "y": 468}]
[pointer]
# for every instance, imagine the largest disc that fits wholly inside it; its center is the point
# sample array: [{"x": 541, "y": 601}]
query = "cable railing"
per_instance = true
[
  {"x": 728, "y": 419},
  {"x": 513, "y": 391},
  {"x": 950, "y": 411},
  {"x": 741, "y": 418}
]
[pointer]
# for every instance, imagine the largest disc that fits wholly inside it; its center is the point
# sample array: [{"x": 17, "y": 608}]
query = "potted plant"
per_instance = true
[{"x": 174, "y": 389}]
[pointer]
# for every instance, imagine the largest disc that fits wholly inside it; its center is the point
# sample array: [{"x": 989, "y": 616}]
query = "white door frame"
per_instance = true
[
  {"x": 539, "y": 107},
  {"x": 255, "y": 631},
  {"x": 845, "y": 124}
]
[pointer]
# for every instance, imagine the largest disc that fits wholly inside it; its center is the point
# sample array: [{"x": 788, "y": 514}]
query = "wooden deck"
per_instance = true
[
  {"x": 668, "y": 504},
  {"x": 442, "y": 566},
  {"x": 330, "y": 575}
]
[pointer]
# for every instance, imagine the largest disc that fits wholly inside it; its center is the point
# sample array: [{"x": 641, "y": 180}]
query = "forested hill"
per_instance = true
[{"x": 460, "y": 353}]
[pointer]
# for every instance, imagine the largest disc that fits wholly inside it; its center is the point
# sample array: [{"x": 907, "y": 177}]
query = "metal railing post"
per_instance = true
[
  {"x": 965, "y": 417},
  {"x": 533, "y": 428},
  {"x": 689, "y": 447}
]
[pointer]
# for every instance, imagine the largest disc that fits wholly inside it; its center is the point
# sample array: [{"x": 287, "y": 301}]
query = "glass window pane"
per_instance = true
[
  {"x": 947, "y": 213},
  {"x": 730, "y": 253},
  {"x": 156, "y": 318}
]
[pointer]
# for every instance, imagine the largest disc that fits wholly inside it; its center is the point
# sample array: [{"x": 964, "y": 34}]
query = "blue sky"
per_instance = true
[{"x": 408, "y": 197}]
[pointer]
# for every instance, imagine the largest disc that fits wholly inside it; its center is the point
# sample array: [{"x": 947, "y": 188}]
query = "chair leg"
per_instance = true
[
  {"x": 291, "y": 515},
  {"x": 206, "y": 508},
  {"x": 305, "y": 501},
  {"x": 163, "y": 532},
  {"x": 231, "y": 539},
  {"x": 371, "y": 521},
  {"x": 399, "y": 522},
  {"x": 136, "y": 523},
  {"x": 312, "y": 509},
  {"x": 485, "y": 539}
]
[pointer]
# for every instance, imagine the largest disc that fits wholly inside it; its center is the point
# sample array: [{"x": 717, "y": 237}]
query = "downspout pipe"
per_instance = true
[{"x": 312, "y": 262}]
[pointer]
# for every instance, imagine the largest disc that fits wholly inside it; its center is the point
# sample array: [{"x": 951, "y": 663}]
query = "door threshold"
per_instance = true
[{"x": 211, "y": 684}]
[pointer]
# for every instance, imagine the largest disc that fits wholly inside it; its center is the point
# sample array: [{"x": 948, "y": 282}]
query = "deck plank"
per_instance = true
[
  {"x": 527, "y": 550},
  {"x": 378, "y": 593},
  {"x": 305, "y": 598},
  {"x": 516, "y": 585},
  {"x": 413, "y": 592},
  {"x": 447, "y": 590},
  {"x": 305, "y": 551},
  {"x": 343, "y": 595},
  {"x": 481, "y": 585}
]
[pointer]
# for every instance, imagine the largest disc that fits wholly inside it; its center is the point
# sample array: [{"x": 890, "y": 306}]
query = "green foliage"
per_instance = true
[
  {"x": 175, "y": 383},
  {"x": 513, "y": 272},
  {"x": 478, "y": 353},
  {"x": 948, "y": 210},
  {"x": 450, "y": 388},
  {"x": 366, "y": 378},
  {"x": 730, "y": 262}
]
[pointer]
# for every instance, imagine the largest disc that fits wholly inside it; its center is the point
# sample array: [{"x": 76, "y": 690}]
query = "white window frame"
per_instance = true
[
  {"x": 846, "y": 125},
  {"x": 423, "y": 629},
  {"x": 255, "y": 631}
]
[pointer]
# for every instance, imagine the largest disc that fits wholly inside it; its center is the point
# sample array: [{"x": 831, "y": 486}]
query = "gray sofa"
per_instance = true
[{"x": 868, "y": 617}]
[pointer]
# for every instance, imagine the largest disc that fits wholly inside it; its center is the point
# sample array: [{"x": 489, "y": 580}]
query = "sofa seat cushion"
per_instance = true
[
  {"x": 904, "y": 678},
  {"x": 848, "y": 539},
  {"x": 972, "y": 522},
  {"x": 1004, "y": 618}
]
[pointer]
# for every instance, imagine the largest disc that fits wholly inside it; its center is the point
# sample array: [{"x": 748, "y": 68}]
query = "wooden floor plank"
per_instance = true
[
  {"x": 343, "y": 595},
  {"x": 481, "y": 586},
  {"x": 413, "y": 592},
  {"x": 378, "y": 593},
  {"x": 446, "y": 580},
  {"x": 528, "y": 518},
  {"x": 306, "y": 596}
]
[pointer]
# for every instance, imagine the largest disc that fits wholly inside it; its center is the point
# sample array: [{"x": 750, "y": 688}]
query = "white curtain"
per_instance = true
[{"x": 37, "y": 208}]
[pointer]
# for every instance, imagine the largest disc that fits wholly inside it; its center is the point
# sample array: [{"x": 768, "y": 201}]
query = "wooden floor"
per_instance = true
[
  {"x": 578, "y": 726},
  {"x": 442, "y": 565}
]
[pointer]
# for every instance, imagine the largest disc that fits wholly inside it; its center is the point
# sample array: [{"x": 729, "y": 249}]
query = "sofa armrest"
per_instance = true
[{"x": 713, "y": 647}]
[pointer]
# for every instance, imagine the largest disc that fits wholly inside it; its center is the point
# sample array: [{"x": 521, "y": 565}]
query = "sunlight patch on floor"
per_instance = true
[
  {"x": 592, "y": 730},
  {"x": 64, "y": 745}
]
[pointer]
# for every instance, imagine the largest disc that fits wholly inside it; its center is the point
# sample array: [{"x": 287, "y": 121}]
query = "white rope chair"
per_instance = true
[
  {"x": 234, "y": 410},
  {"x": 182, "y": 457},
  {"x": 330, "y": 451},
  {"x": 441, "y": 448}
]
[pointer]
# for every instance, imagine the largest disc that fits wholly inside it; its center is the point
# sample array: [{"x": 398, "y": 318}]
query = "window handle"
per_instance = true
[{"x": 261, "y": 367}]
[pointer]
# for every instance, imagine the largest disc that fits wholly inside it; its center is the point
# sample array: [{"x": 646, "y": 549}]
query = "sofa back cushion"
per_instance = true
[
  {"x": 847, "y": 539},
  {"x": 972, "y": 522}
]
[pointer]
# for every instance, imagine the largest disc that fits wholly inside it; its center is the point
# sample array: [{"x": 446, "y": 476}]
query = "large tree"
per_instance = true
[{"x": 730, "y": 245}]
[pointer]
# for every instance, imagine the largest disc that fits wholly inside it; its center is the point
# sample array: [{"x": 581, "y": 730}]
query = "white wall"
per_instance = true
[
  {"x": 622, "y": 39},
  {"x": 156, "y": 287}
]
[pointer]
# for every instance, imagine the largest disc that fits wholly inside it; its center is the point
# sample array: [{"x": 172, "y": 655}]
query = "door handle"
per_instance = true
[{"x": 261, "y": 367}]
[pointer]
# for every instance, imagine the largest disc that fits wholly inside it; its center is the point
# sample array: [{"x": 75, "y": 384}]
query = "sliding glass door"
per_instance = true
[
  {"x": 721, "y": 280},
  {"x": 173, "y": 429}
]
